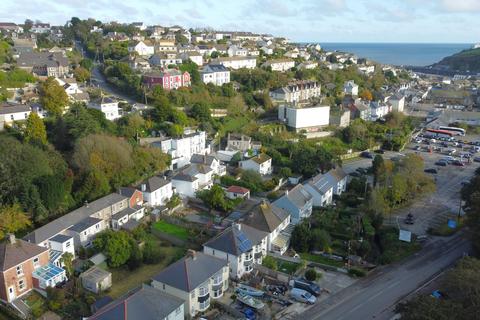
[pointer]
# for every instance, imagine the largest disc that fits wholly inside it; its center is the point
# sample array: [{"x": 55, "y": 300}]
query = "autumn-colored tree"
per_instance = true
[
  {"x": 366, "y": 95},
  {"x": 81, "y": 74},
  {"x": 53, "y": 97},
  {"x": 35, "y": 129},
  {"x": 12, "y": 219}
]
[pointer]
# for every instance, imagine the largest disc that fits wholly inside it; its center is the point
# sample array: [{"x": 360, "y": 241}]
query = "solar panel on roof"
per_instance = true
[{"x": 244, "y": 243}]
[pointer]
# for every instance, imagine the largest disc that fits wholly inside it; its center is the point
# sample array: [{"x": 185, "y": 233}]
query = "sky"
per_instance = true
[{"x": 427, "y": 21}]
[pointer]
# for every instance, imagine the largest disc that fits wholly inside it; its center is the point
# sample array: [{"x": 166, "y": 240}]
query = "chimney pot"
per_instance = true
[
  {"x": 192, "y": 254},
  {"x": 11, "y": 238}
]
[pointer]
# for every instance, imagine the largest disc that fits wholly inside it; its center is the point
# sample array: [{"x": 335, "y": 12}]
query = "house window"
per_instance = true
[
  {"x": 68, "y": 244},
  {"x": 11, "y": 117},
  {"x": 36, "y": 262},
  {"x": 21, "y": 285},
  {"x": 97, "y": 226},
  {"x": 213, "y": 252},
  {"x": 192, "y": 295},
  {"x": 19, "y": 270},
  {"x": 84, "y": 233}
]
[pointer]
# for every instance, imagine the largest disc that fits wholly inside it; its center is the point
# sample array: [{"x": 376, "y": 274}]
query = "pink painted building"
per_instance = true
[{"x": 167, "y": 79}]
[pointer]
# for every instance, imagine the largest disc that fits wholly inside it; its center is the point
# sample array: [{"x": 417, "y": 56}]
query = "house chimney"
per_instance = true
[
  {"x": 11, "y": 238},
  {"x": 192, "y": 254},
  {"x": 143, "y": 187}
]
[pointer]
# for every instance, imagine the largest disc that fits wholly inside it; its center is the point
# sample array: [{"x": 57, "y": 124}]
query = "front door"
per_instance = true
[{"x": 11, "y": 294}]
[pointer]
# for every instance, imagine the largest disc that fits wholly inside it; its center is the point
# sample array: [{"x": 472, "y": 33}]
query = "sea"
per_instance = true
[{"x": 400, "y": 54}]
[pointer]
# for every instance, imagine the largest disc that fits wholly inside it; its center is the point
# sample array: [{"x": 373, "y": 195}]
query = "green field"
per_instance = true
[{"x": 171, "y": 229}]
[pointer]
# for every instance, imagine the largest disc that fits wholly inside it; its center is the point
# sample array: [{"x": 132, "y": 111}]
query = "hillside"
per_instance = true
[{"x": 464, "y": 61}]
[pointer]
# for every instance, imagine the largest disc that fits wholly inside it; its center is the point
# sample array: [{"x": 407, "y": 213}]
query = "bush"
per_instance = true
[
  {"x": 270, "y": 263},
  {"x": 311, "y": 274},
  {"x": 151, "y": 253},
  {"x": 357, "y": 272}
]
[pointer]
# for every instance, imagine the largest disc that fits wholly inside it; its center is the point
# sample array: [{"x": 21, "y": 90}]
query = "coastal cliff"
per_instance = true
[{"x": 464, "y": 61}]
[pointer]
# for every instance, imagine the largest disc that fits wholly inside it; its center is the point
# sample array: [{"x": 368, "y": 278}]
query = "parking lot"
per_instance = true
[{"x": 444, "y": 203}]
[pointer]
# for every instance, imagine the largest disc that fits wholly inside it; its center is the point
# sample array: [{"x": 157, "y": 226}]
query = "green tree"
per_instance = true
[
  {"x": 378, "y": 168},
  {"x": 301, "y": 237},
  {"x": 67, "y": 261},
  {"x": 35, "y": 129},
  {"x": 320, "y": 240},
  {"x": 81, "y": 74},
  {"x": 116, "y": 245},
  {"x": 215, "y": 198},
  {"x": 311, "y": 274},
  {"x": 471, "y": 196},
  {"x": 152, "y": 253},
  {"x": 53, "y": 97},
  {"x": 12, "y": 219}
]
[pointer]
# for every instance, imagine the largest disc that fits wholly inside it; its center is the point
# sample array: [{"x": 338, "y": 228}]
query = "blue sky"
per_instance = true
[{"x": 300, "y": 20}]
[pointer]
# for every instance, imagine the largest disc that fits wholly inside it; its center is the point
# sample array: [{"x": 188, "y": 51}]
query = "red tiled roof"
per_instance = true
[{"x": 237, "y": 189}]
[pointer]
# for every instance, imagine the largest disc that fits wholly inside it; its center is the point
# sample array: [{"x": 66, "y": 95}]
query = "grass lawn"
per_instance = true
[
  {"x": 124, "y": 280},
  {"x": 171, "y": 229},
  {"x": 287, "y": 267},
  {"x": 322, "y": 260}
]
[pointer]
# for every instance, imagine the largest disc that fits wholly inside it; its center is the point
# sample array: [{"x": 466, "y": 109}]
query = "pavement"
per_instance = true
[{"x": 375, "y": 296}]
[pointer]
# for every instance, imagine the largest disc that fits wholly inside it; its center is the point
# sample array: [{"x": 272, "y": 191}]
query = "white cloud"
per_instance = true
[{"x": 467, "y": 6}]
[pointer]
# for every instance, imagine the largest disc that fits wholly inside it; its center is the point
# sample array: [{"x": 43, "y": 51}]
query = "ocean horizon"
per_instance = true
[{"x": 400, "y": 54}]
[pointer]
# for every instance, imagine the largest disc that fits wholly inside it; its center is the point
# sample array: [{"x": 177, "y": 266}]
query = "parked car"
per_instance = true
[
  {"x": 306, "y": 285},
  {"x": 431, "y": 170},
  {"x": 409, "y": 219},
  {"x": 302, "y": 296},
  {"x": 476, "y": 159},
  {"x": 441, "y": 163},
  {"x": 417, "y": 148},
  {"x": 458, "y": 163},
  {"x": 366, "y": 154}
]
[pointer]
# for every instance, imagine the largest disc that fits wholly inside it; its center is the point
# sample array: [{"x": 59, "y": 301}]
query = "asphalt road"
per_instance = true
[
  {"x": 375, "y": 296},
  {"x": 98, "y": 80}
]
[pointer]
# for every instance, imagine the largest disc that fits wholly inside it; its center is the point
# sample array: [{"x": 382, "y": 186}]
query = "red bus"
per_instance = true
[{"x": 443, "y": 133}]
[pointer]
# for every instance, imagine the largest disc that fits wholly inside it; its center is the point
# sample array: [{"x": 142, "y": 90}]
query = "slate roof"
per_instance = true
[
  {"x": 299, "y": 196},
  {"x": 11, "y": 107},
  {"x": 202, "y": 159},
  {"x": 184, "y": 177},
  {"x": 230, "y": 240},
  {"x": 125, "y": 212},
  {"x": 31, "y": 59},
  {"x": 321, "y": 183},
  {"x": 56, "y": 226},
  {"x": 265, "y": 217},
  {"x": 60, "y": 238},
  {"x": 211, "y": 68},
  {"x": 12, "y": 254},
  {"x": 338, "y": 173},
  {"x": 190, "y": 272},
  {"x": 143, "y": 303},
  {"x": 84, "y": 224},
  {"x": 154, "y": 183}
]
